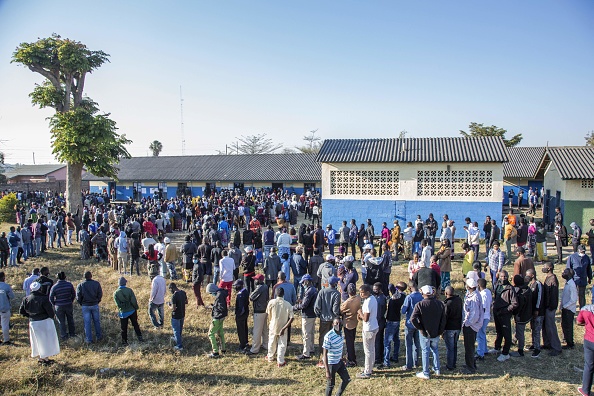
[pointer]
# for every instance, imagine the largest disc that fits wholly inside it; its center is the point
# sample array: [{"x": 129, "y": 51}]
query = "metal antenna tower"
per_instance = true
[{"x": 181, "y": 106}]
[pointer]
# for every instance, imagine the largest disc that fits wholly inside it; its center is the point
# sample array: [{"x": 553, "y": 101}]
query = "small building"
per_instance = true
[
  {"x": 36, "y": 173},
  {"x": 387, "y": 179},
  {"x": 520, "y": 172},
  {"x": 196, "y": 174},
  {"x": 568, "y": 174}
]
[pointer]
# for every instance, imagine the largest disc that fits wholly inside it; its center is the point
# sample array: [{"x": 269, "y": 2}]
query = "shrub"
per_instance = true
[{"x": 7, "y": 208}]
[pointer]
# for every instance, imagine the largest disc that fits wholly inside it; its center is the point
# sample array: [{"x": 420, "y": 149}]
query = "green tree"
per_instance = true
[
  {"x": 590, "y": 139},
  {"x": 475, "y": 129},
  {"x": 81, "y": 136},
  {"x": 156, "y": 147},
  {"x": 312, "y": 145},
  {"x": 8, "y": 208}
]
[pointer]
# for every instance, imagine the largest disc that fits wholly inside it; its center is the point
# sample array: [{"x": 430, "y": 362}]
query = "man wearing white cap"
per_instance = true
[
  {"x": 472, "y": 323},
  {"x": 429, "y": 317},
  {"x": 42, "y": 331}
]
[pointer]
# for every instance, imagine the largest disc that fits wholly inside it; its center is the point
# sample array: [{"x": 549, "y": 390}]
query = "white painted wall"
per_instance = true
[
  {"x": 408, "y": 179},
  {"x": 553, "y": 182},
  {"x": 575, "y": 192}
]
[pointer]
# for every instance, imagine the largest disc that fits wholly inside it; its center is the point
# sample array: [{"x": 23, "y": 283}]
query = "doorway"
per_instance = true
[{"x": 277, "y": 186}]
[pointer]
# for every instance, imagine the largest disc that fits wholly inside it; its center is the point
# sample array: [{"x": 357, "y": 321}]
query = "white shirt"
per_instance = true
[
  {"x": 426, "y": 257},
  {"x": 487, "y": 298},
  {"x": 284, "y": 240},
  {"x": 370, "y": 306},
  {"x": 27, "y": 283},
  {"x": 158, "y": 289},
  {"x": 570, "y": 296},
  {"x": 160, "y": 248},
  {"x": 226, "y": 267}
]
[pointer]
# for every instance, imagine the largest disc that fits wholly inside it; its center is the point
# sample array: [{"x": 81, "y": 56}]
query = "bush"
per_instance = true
[{"x": 7, "y": 208}]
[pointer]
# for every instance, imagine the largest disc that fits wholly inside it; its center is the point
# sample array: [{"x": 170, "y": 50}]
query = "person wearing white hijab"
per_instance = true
[{"x": 42, "y": 330}]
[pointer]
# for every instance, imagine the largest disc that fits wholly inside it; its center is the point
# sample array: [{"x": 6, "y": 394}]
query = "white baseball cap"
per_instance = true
[
  {"x": 470, "y": 282},
  {"x": 427, "y": 289}
]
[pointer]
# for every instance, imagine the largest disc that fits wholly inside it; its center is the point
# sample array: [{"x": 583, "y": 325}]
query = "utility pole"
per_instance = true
[{"x": 181, "y": 106}]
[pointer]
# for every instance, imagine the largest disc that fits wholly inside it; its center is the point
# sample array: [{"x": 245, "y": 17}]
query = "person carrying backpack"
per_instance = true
[{"x": 523, "y": 313}]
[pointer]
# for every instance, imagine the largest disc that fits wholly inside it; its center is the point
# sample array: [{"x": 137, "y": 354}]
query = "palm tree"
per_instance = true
[{"x": 156, "y": 147}]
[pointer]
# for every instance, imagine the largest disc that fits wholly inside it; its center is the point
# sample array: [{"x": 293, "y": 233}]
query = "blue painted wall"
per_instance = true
[
  {"x": 334, "y": 211},
  {"x": 535, "y": 184}
]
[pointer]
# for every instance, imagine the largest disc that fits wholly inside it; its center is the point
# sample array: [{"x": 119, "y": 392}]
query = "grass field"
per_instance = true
[{"x": 153, "y": 368}]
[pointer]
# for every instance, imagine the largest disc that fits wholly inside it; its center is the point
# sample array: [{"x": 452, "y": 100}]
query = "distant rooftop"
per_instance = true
[{"x": 32, "y": 170}]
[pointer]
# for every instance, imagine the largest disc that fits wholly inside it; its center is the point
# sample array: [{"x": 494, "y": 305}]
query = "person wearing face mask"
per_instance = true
[
  {"x": 569, "y": 299},
  {"x": 197, "y": 278},
  {"x": 580, "y": 263},
  {"x": 242, "y": 311},
  {"x": 537, "y": 311},
  {"x": 332, "y": 356},
  {"x": 550, "y": 303},
  {"x": 506, "y": 302}
]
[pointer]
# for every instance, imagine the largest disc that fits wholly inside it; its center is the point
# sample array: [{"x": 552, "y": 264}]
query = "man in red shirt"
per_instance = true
[{"x": 586, "y": 318}]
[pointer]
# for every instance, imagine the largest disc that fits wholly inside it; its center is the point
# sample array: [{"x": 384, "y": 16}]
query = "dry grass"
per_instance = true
[{"x": 152, "y": 368}]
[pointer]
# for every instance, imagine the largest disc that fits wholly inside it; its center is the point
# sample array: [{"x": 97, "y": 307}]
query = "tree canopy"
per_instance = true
[
  {"x": 312, "y": 145},
  {"x": 81, "y": 136},
  {"x": 253, "y": 144},
  {"x": 475, "y": 129},
  {"x": 156, "y": 147},
  {"x": 590, "y": 139}
]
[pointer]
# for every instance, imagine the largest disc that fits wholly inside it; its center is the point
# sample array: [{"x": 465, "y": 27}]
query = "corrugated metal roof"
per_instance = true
[
  {"x": 523, "y": 162},
  {"x": 257, "y": 167},
  {"x": 437, "y": 149},
  {"x": 33, "y": 170},
  {"x": 573, "y": 162}
]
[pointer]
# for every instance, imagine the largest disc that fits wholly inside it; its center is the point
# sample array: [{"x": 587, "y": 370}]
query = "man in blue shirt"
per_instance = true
[
  {"x": 332, "y": 357},
  {"x": 411, "y": 334}
]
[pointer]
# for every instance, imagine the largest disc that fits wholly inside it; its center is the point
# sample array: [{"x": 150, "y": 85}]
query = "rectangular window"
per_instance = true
[
  {"x": 587, "y": 183},
  {"x": 373, "y": 183},
  {"x": 455, "y": 183}
]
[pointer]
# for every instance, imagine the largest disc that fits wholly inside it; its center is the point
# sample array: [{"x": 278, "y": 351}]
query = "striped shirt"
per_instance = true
[{"x": 333, "y": 343}]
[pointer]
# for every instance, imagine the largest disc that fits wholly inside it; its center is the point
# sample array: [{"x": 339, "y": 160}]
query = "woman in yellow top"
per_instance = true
[
  {"x": 468, "y": 259},
  {"x": 395, "y": 240}
]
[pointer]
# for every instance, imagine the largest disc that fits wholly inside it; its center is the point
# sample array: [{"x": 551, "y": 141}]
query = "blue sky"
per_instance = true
[{"x": 351, "y": 69}]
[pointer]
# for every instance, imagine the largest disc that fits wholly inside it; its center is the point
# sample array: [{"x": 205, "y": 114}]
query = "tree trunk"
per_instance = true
[{"x": 73, "y": 183}]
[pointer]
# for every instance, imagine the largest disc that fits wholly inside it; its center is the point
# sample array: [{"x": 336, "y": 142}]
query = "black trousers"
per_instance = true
[
  {"x": 379, "y": 343},
  {"x": 469, "y": 341},
  {"x": 349, "y": 337},
  {"x": 325, "y": 327},
  {"x": 567, "y": 325},
  {"x": 340, "y": 369},
  {"x": 242, "y": 331},
  {"x": 503, "y": 328},
  {"x": 124, "y": 326},
  {"x": 249, "y": 283},
  {"x": 353, "y": 245}
]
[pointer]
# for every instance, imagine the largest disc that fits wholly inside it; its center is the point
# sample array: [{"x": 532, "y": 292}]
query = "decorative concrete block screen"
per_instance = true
[
  {"x": 587, "y": 183},
  {"x": 372, "y": 183},
  {"x": 455, "y": 183}
]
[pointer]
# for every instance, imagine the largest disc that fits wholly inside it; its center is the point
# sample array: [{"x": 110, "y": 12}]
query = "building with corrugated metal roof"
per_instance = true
[
  {"x": 520, "y": 173},
  {"x": 194, "y": 174},
  {"x": 388, "y": 179},
  {"x": 568, "y": 174}
]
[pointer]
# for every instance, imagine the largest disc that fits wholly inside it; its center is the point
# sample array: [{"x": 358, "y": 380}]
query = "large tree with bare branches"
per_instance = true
[{"x": 81, "y": 136}]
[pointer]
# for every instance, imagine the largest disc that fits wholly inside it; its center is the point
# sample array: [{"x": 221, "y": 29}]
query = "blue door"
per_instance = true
[{"x": 400, "y": 212}]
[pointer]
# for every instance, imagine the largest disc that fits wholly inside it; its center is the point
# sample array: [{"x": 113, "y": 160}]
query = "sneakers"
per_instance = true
[
  {"x": 351, "y": 364},
  {"x": 493, "y": 351},
  {"x": 363, "y": 376},
  {"x": 581, "y": 391},
  {"x": 467, "y": 370},
  {"x": 283, "y": 364},
  {"x": 567, "y": 346},
  {"x": 303, "y": 357},
  {"x": 179, "y": 349},
  {"x": 320, "y": 364},
  {"x": 422, "y": 375},
  {"x": 266, "y": 358},
  {"x": 536, "y": 353},
  {"x": 405, "y": 368},
  {"x": 503, "y": 358},
  {"x": 214, "y": 355}
]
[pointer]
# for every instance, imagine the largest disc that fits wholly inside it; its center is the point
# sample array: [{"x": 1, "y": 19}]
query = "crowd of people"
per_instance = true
[{"x": 337, "y": 278}]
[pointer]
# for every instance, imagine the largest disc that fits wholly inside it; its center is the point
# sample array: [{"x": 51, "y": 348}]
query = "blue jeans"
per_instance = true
[
  {"x": 391, "y": 333},
  {"x": 178, "y": 326},
  {"x": 216, "y": 274},
  {"x": 331, "y": 248},
  {"x": 481, "y": 339},
  {"x": 27, "y": 250},
  {"x": 37, "y": 246},
  {"x": 417, "y": 247},
  {"x": 267, "y": 249},
  {"x": 412, "y": 356},
  {"x": 51, "y": 237},
  {"x": 91, "y": 312},
  {"x": 154, "y": 308},
  {"x": 429, "y": 345},
  {"x": 13, "y": 255},
  {"x": 451, "y": 342}
]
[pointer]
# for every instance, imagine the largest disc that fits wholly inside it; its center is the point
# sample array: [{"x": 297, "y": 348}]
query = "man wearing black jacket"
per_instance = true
[
  {"x": 45, "y": 281},
  {"x": 550, "y": 302},
  {"x": 259, "y": 299},
  {"x": 426, "y": 276},
  {"x": 487, "y": 230},
  {"x": 453, "y": 311},
  {"x": 495, "y": 232},
  {"x": 506, "y": 302},
  {"x": 242, "y": 311},
  {"x": 524, "y": 312},
  {"x": 308, "y": 316},
  {"x": 219, "y": 313},
  {"x": 429, "y": 318},
  {"x": 431, "y": 227}
]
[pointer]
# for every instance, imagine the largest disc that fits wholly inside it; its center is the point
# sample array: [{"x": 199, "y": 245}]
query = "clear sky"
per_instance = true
[{"x": 351, "y": 69}]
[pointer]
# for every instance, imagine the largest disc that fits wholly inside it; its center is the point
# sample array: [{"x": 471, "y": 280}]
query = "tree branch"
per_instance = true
[
  {"x": 78, "y": 91},
  {"x": 55, "y": 80}
]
